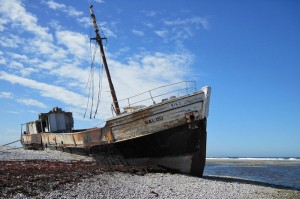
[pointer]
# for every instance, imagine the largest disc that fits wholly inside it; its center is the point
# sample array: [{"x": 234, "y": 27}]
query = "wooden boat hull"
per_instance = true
[
  {"x": 180, "y": 148},
  {"x": 170, "y": 134}
]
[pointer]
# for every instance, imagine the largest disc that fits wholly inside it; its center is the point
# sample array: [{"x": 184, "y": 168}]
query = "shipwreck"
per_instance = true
[{"x": 169, "y": 133}]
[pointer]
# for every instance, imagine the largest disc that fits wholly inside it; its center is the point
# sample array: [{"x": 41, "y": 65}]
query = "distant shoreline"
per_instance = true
[{"x": 253, "y": 161}]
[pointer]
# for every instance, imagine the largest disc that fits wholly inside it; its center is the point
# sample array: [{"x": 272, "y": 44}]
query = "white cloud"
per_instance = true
[
  {"x": 79, "y": 16},
  {"x": 15, "y": 65},
  {"x": 46, "y": 90},
  {"x": 2, "y": 58},
  {"x": 15, "y": 12},
  {"x": 7, "y": 95},
  {"x": 32, "y": 102},
  {"x": 148, "y": 71},
  {"x": 84, "y": 21},
  {"x": 76, "y": 43},
  {"x": 70, "y": 11},
  {"x": 108, "y": 32},
  {"x": 19, "y": 68},
  {"x": 47, "y": 65},
  {"x": 161, "y": 33},
  {"x": 72, "y": 75},
  {"x": 148, "y": 24},
  {"x": 149, "y": 13},
  {"x": 26, "y": 101},
  {"x": 18, "y": 56},
  {"x": 46, "y": 49},
  {"x": 2, "y": 23},
  {"x": 99, "y": 1},
  {"x": 138, "y": 32},
  {"x": 65, "y": 61},
  {"x": 11, "y": 41},
  {"x": 54, "y": 5},
  {"x": 27, "y": 71},
  {"x": 73, "y": 12},
  {"x": 55, "y": 24},
  {"x": 180, "y": 29},
  {"x": 189, "y": 21}
]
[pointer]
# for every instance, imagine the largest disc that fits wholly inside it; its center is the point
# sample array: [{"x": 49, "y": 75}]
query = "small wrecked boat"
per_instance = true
[{"x": 171, "y": 133}]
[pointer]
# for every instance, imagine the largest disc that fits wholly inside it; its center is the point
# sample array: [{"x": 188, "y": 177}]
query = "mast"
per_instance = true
[{"x": 99, "y": 41}]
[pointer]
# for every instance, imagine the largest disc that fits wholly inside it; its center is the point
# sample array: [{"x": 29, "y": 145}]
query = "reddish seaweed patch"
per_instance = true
[{"x": 34, "y": 176}]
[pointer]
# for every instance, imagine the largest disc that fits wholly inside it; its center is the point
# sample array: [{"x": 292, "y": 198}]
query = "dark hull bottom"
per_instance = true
[{"x": 179, "y": 148}]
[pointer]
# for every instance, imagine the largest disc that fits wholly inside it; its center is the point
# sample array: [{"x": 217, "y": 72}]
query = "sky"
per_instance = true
[{"x": 247, "y": 51}]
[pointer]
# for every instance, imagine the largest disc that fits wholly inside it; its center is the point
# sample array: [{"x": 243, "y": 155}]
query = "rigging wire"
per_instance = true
[
  {"x": 100, "y": 82},
  {"x": 99, "y": 89},
  {"x": 88, "y": 84},
  {"x": 91, "y": 79},
  {"x": 93, "y": 90}
]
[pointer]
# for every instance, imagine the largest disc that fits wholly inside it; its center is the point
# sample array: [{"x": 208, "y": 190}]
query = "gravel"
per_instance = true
[
  {"x": 116, "y": 184},
  {"x": 8, "y": 153}
]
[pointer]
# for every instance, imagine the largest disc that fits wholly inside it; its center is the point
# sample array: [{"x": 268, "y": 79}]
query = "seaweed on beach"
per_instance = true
[{"x": 31, "y": 177}]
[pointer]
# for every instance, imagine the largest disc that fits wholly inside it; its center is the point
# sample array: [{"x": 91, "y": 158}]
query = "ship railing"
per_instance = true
[{"x": 156, "y": 94}]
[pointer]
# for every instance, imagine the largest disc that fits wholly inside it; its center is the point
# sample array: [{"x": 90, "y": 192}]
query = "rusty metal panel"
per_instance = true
[
  {"x": 32, "y": 139},
  {"x": 51, "y": 139},
  {"x": 88, "y": 138},
  {"x": 92, "y": 137},
  {"x": 26, "y": 139},
  {"x": 45, "y": 138},
  {"x": 78, "y": 139},
  {"x": 65, "y": 140},
  {"x": 110, "y": 137}
]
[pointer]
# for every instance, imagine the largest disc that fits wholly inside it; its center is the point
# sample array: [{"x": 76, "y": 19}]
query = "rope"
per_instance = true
[
  {"x": 11, "y": 142},
  {"x": 90, "y": 79}
]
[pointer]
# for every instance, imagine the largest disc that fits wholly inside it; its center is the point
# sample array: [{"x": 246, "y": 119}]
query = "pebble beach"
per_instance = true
[{"x": 40, "y": 174}]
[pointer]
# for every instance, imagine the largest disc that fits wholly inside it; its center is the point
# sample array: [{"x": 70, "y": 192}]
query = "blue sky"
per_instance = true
[{"x": 247, "y": 51}]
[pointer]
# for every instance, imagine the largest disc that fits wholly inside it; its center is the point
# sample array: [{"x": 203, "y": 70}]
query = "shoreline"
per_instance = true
[{"x": 38, "y": 174}]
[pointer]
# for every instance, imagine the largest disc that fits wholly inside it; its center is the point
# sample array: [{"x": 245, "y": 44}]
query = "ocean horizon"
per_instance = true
[{"x": 256, "y": 158}]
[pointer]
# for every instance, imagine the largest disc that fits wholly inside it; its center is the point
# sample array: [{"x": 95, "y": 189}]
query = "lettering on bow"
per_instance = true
[{"x": 153, "y": 120}]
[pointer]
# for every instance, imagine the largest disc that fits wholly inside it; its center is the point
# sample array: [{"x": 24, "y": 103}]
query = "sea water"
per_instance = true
[{"x": 277, "y": 171}]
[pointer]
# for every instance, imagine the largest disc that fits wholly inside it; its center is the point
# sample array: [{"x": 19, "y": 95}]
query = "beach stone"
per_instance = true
[{"x": 93, "y": 183}]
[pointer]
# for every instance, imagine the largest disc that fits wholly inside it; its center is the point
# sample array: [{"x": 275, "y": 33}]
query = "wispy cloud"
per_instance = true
[
  {"x": 161, "y": 33},
  {"x": 137, "y": 32},
  {"x": 7, "y": 95},
  {"x": 198, "y": 21},
  {"x": 69, "y": 10},
  {"x": 76, "y": 43},
  {"x": 32, "y": 102},
  {"x": 2, "y": 23},
  {"x": 179, "y": 29},
  {"x": 24, "y": 101},
  {"x": 14, "y": 11},
  {"x": 58, "y": 66},
  {"x": 11, "y": 41},
  {"x": 99, "y": 1},
  {"x": 46, "y": 90},
  {"x": 54, "y": 5},
  {"x": 149, "y": 13}
]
